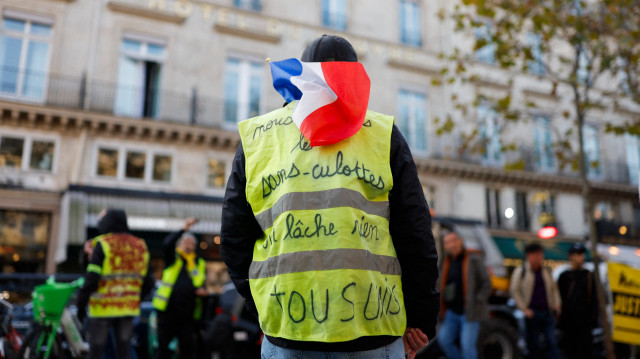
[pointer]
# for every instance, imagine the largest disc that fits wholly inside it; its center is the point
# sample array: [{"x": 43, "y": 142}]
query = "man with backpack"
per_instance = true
[
  {"x": 579, "y": 305},
  {"x": 536, "y": 294}
]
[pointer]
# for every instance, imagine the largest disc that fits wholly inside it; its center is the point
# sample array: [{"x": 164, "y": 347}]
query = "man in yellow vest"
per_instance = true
[
  {"x": 177, "y": 297},
  {"x": 117, "y": 277},
  {"x": 331, "y": 245}
]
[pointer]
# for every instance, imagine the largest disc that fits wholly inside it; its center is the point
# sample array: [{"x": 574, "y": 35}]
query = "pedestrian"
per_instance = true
[
  {"x": 177, "y": 299},
  {"x": 118, "y": 276},
  {"x": 579, "y": 314},
  {"x": 536, "y": 294},
  {"x": 465, "y": 288},
  {"x": 325, "y": 228}
]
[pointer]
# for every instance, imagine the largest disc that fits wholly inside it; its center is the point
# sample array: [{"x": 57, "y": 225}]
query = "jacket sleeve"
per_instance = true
[
  {"x": 410, "y": 229},
  {"x": 483, "y": 287},
  {"x": 514, "y": 288},
  {"x": 91, "y": 280},
  {"x": 169, "y": 247},
  {"x": 239, "y": 231},
  {"x": 148, "y": 282}
]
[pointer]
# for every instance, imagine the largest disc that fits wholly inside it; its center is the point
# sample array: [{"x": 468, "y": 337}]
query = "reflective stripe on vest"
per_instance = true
[
  {"x": 325, "y": 269},
  {"x": 125, "y": 264},
  {"x": 169, "y": 277}
]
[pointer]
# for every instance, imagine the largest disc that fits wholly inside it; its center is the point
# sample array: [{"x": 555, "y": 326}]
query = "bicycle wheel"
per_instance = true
[{"x": 30, "y": 350}]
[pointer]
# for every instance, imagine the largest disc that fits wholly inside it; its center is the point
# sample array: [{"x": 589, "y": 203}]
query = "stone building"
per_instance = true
[{"x": 134, "y": 104}]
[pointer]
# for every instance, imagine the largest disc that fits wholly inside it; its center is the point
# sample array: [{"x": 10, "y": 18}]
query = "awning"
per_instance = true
[
  {"x": 514, "y": 248},
  {"x": 152, "y": 213}
]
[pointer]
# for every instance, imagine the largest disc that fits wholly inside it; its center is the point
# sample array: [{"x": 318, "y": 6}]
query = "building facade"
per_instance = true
[{"x": 135, "y": 103}]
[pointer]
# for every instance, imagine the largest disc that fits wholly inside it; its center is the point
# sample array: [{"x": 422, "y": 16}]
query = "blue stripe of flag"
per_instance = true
[{"x": 282, "y": 71}]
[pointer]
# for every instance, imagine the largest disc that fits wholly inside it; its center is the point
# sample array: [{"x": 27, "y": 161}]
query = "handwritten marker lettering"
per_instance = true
[
  {"x": 385, "y": 305},
  {"x": 259, "y": 130},
  {"x": 359, "y": 169},
  {"x": 271, "y": 182},
  {"x": 302, "y": 145},
  {"x": 297, "y": 229},
  {"x": 365, "y": 229}
]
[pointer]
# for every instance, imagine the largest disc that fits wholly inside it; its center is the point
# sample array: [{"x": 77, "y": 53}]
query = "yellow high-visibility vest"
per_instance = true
[
  {"x": 126, "y": 260},
  {"x": 325, "y": 269},
  {"x": 169, "y": 277}
]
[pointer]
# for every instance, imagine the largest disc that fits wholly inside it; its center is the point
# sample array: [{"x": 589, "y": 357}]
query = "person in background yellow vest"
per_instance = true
[
  {"x": 331, "y": 245},
  {"x": 177, "y": 297},
  {"x": 117, "y": 278}
]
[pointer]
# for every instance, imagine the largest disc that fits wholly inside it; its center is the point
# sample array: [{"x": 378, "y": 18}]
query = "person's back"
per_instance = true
[
  {"x": 117, "y": 277},
  {"x": 579, "y": 313},
  {"x": 320, "y": 243}
]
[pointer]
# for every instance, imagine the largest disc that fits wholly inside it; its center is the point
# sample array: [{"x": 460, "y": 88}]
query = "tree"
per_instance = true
[{"x": 587, "y": 51}]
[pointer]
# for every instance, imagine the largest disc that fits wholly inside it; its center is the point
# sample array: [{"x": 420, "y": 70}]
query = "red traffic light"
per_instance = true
[{"x": 547, "y": 232}]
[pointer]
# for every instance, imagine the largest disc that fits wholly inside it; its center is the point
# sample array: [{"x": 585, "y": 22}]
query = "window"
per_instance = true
[
  {"x": 591, "y": 150},
  {"x": 42, "y": 155},
  {"x": 243, "y": 88},
  {"x": 107, "y": 162},
  {"x": 543, "y": 147},
  {"x": 623, "y": 75},
  {"x": 487, "y": 52},
  {"x": 490, "y": 134},
  {"x": 412, "y": 108},
  {"x": 11, "y": 150},
  {"x": 162, "y": 165},
  {"x": 24, "y": 58},
  {"x": 522, "y": 214},
  {"x": 255, "y": 5},
  {"x": 334, "y": 14},
  {"x": 26, "y": 153},
  {"x": 137, "y": 165},
  {"x": 582, "y": 74},
  {"x": 138, "y": 93},
  {"x": 216, "y": 173},
  {"x": 410, "y": 30},
  {"x": 492, "y": 200},
  {"x": 536, "y": 67},
  {"x": 633, "y": 157}
]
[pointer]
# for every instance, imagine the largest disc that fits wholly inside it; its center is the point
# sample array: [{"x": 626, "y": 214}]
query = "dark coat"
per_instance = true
[{"x": 476, "y": 285}]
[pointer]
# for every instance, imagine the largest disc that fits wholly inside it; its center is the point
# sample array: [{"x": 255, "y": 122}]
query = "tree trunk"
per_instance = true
[{"x": 593, "y": 234}]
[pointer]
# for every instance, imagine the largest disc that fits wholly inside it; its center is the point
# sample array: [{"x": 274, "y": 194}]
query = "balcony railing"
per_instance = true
[
  {"x": 525, "y": 158},
  {"x": 190, "y": 107},
  {"x": 109, "y": 97}
]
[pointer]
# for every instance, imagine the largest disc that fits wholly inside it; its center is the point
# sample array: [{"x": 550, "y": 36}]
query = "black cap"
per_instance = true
[
  {"x": 577, "y": 248},
  {"x": 329, "y": 48},
  {"x": 533, "y": 248}
]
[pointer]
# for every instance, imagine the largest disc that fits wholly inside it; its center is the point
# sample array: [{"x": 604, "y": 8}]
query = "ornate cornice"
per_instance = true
[
  {"x": 47, "y": 118},
  {"x": 475, "y": 172},
  {"x": 145, "y": 12}
]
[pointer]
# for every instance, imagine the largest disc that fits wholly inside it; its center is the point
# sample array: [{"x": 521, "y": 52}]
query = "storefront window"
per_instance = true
[
  {"x": 107, "y": 162},
  {"x": 42, "y": 155},
  {"x": 135, "y": 165},
  {"x": 11, "y": 150},
  {"x": 23, "y": 240},
  {"x": 162, "y": 168}
]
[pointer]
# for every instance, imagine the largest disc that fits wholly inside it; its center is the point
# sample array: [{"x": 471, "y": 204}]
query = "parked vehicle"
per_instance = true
[
  {"x": 57, "y": 331},
  {"x": 10, "y": 339}
]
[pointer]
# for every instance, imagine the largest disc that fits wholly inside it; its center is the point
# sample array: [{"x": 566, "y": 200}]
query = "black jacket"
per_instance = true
[{"x": 409, "y": 226}]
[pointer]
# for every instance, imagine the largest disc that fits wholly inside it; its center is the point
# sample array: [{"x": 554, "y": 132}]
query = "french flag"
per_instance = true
[{"x": 333, "y": 97}]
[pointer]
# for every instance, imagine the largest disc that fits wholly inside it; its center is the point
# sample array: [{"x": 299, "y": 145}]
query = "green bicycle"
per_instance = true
[{"x": 57, "y": 333}]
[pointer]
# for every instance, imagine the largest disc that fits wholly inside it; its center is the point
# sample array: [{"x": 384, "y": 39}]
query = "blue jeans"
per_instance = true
[
  {"x": 394, "y": 350},
  {"x": 455, "y": 325},
  {"x": 544, "y": 322}
]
